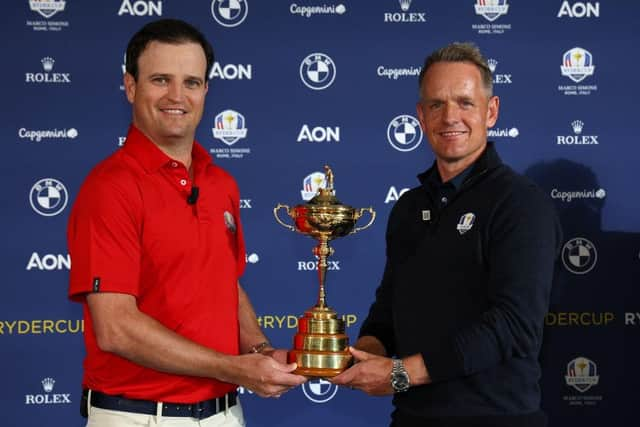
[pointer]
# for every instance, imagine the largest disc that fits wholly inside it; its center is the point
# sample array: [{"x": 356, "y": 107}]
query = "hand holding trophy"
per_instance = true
[{"x": 321, "y": 346}]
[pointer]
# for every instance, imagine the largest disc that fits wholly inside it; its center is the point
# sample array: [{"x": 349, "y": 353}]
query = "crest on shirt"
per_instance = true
[
  {"x": 465, "y": 223},
  {"x": 229, "y": 221}
]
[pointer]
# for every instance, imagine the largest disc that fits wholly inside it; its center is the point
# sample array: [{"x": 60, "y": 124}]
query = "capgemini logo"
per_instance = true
[
  {"x": 577, "y": 126},
  {"x": 252, "y": 258}
]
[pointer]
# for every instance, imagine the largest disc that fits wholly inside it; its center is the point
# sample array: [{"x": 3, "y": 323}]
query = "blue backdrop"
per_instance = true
[{"x": 312, "y": 83}]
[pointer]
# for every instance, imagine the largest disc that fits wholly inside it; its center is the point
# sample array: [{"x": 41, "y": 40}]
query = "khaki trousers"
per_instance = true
[{"x": 98, "y": 417}]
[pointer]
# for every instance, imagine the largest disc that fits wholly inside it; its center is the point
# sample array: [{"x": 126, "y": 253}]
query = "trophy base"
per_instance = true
[
  {"x": 320, "y": 346},
  {"x": 319, "y": 363}
]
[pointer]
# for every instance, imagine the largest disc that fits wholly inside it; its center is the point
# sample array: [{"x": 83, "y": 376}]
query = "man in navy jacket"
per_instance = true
[{"x": 456, "y": 327}]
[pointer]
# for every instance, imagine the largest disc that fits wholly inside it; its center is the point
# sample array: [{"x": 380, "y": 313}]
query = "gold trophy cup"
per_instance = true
[{"x": 320, "y": 348}]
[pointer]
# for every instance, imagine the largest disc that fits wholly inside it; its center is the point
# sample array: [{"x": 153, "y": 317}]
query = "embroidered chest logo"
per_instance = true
[
  {"x": 465, "y": 223},
  {"x": 229, "y": 222}
]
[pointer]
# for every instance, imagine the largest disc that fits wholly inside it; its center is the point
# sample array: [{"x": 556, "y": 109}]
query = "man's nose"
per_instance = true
[
  {"x": 451, "y": 113},
  {"x": 175, "y": 91}
]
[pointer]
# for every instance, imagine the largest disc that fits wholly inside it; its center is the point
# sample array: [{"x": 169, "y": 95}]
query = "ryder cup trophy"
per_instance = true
[{"x": 320, "y": 348}]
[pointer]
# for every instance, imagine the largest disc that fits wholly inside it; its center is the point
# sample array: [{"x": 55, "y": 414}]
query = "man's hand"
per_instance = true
[
  {"x": 278, "y": 354},
  {"x": 370, "y": 373},
  {"x": 264, "y": 374}
]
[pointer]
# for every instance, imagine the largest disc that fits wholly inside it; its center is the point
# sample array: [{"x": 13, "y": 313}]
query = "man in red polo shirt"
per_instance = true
[{"x": 157, "y": 249}]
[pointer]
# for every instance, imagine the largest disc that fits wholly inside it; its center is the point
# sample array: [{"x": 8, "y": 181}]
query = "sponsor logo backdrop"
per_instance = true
[{"x": 301, "y": 84}]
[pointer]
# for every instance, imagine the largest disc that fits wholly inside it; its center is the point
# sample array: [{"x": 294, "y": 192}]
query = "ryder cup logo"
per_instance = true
[
  {"x": 47, "y": 8},
  {"x": 491, "y": 9},
  {"x": 577, "y": 64},
  {"x": 311, "y": 184},
  {"x": 230, "y": 127},
  {"x": 48, "y": 197},
  {"x": 317, "y": 71},
  {"x": 465, "y": 223},
  {"x": 582, "y": 374},
  {"x": 229, "y": 13},
  {"x": 319, "y": 390},
  {"x": 404, "y": 133},
  {"x": 579, "y": 255}
]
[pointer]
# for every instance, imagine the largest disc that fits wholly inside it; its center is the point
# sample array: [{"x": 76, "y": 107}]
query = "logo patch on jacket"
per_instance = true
[
  {"x": 229, "y": 221},
  {"x": 466, "y": 222}
]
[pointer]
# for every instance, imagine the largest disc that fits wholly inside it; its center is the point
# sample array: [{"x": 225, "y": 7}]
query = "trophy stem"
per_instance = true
[{"x": 322, "y": 251}]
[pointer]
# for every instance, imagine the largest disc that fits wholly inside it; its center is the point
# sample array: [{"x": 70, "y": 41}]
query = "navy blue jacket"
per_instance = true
[{"x": 467, "y": 285}]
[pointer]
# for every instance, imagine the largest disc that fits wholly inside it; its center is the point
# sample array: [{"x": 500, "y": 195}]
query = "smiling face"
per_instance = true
[
  {"x": 455, "y": 112},
  {"x": 168, "y": 96}
]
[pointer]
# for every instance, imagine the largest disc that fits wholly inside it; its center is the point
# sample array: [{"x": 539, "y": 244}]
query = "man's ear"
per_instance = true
[
  {"x": 492, "y": 111},
  {"x": 130, "y": 87}
]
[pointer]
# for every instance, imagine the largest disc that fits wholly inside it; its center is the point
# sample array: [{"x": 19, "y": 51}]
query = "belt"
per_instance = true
[{"x": 199, "y": 410}]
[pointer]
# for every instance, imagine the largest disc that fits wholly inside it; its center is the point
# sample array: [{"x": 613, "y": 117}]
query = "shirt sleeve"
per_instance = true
[
  {"x": 103, "y": 237},
  {"x": 240, "y": 245},
  {"x": 523, "y": 242}
]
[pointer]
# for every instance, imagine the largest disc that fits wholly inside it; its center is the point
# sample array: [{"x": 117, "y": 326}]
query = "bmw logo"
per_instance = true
[
  {"x": 319, "y": 390},
  {"x": 48, "y": 197},
  {"x": 404, "y": 133},
  {"x": 317, "y": 71},
  {"x": 229, "y": 13},
  {"x": 579, "y": 255}
]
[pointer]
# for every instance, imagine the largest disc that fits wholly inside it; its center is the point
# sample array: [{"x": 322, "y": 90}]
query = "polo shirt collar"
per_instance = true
[
  {"x": 140, "y": 147},
  {"x": 487, "y": 160}
]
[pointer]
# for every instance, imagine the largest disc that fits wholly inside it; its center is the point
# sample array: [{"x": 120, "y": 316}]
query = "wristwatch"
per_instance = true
[{"x": 399, "y": 377}]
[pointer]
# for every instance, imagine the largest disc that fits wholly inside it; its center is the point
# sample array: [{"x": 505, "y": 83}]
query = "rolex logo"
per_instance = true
[
  {"x": 577, "y": 126},
  {"x": 47, "y": 63},
  {"x": 405, "y": 4},
  {"x": 492, "y": 64},
  {"x": 47, "y": 76},
  {"x": 47, "y": 398},
  {"x": 577, "y": 138},
  {"x": 47, "y": 384}
]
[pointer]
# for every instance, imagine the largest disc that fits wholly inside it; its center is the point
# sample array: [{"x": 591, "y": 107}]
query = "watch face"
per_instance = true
[
  {"x": 399, "y": 377},
  {"x": 400, "y": 382}
]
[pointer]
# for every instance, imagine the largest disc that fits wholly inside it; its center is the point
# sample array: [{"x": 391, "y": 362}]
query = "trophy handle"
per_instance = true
[
  {"x": 373, "y": 217},
  {"x": 275, "y": 213}
]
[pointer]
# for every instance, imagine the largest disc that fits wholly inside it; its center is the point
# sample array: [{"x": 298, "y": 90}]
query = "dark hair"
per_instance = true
[
  {"x": 172, "y": 31},
  {"x": 460, "y": 52}
]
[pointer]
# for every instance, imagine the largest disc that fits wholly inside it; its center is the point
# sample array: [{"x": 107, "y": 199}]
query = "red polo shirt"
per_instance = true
[{"x": 132, "y": 231}]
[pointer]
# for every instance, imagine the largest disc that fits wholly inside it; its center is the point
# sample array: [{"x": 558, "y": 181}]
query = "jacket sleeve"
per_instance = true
[
  {"x": 379, "y": 322},
  {"x": 522, "y": 246}
]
